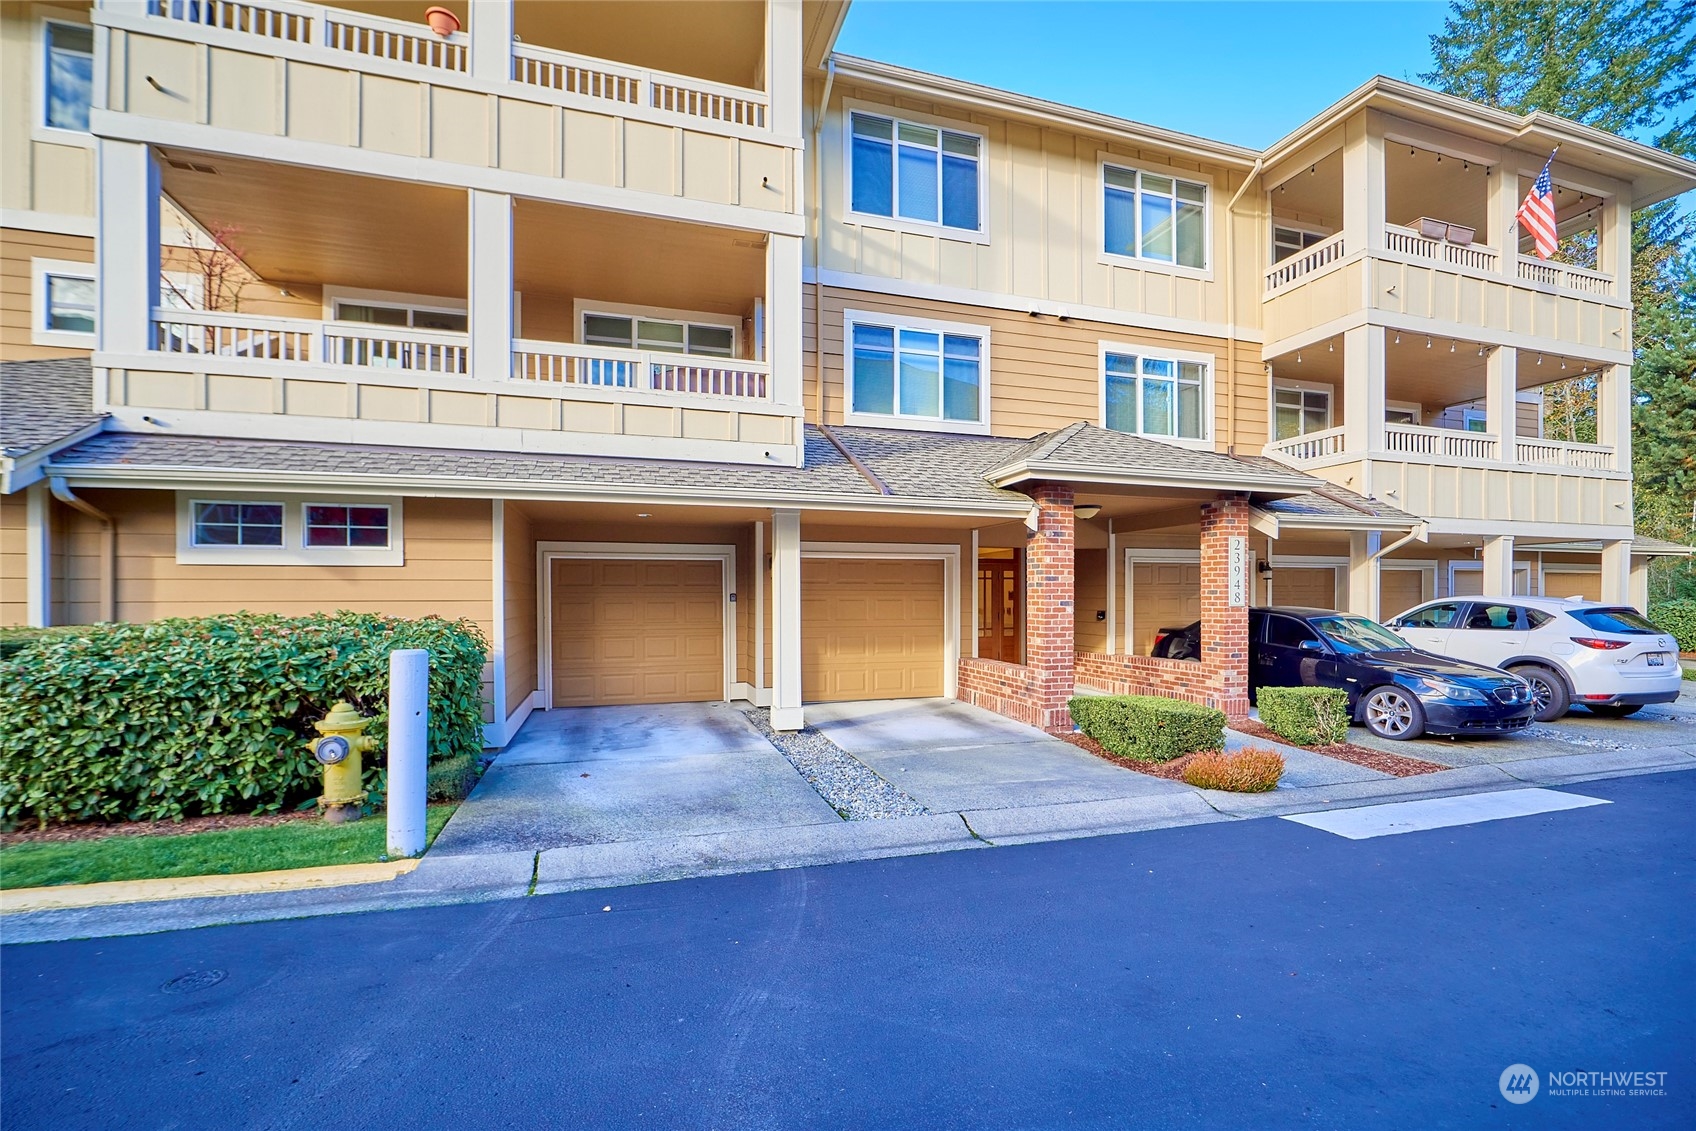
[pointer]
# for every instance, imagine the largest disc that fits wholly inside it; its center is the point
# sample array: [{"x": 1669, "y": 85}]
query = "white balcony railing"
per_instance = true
[
  {"x": 375, "y": 37},
  {"x": 1449, "y": 443},
  {"x": 1587, "y": 457},
  {"x": 419, "y": 351},
  {"x": 1406, "y": 241},
  {"x": 1287, "y": 271},
  {"x": 562, "y": 363},
  {"x": 1310, "y": 446},
  {"x": 637, "y": 86},
  {"x": 216, "y": 333},
  {"x": 1565, "y": 275}
]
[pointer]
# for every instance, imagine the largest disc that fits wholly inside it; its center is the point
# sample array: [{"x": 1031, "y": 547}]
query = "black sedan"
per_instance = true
[{"x": 1396, "y": 690}]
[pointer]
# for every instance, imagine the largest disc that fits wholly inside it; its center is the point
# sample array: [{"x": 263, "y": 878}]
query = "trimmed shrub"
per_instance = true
[
  {"x": 1306, "y": 716},
  {"x": 1679, "y": 618},
  {"x": 1253, "y": 769},
  {"x": 1148, "y": 727},
  {"x": 16, "y": 638},
  {"x": 208, "y": 715},
  {"x": 452, "y": 779}
]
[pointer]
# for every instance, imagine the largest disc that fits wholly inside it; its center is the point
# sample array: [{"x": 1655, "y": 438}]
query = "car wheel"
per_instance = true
[
  {"x": 1614, "y": 710},
  {"x": 1548, "y": 692},
  {"x": 1392, "y": 713}
]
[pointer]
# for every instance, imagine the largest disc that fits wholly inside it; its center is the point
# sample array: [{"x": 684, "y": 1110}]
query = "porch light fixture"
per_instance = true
[
  {"x": 1263, "y": 568},
  {"x": 1086, "y": 511}
]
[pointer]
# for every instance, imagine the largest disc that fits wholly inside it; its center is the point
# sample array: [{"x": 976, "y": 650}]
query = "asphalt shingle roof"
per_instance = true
[
  {"x": 43, "y": 402},
  {"x": 1084, "y": 445}
]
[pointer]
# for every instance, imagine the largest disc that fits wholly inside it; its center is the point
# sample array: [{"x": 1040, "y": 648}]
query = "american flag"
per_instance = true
[{"x": 1537, "y": 214}]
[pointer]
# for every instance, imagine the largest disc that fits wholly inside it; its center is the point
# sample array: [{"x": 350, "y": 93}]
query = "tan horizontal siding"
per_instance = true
[
  {"x": 17, "y": 247},
  {"x": 14, "y": 563}
]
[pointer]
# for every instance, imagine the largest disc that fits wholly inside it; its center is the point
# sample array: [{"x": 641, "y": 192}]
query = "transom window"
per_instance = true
[
  {"x": 920, "y": 373},
  {"x": 238, "y": 524},
  {"x": 413, "y": 317},
  {"x": 1298, "y": 411},
  {"x": 1154, "y": 217},
  {"x": 70, "y": 76},
  {"x": 659, "y": 334},
  {"x": 1289, "y": 241},
  {"x": 1154, "y": 396},
  {"x": 339, "y": 525},
  {"x": 915, "y": 172}
]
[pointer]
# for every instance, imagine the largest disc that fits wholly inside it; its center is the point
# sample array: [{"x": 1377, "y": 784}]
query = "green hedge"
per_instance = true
[
  {"x": 1306, "y": 716},
  {"x": 1148, "y": 727},
  {"x": 209, "y": 715},
  {"x": 1678, "y": 618}
]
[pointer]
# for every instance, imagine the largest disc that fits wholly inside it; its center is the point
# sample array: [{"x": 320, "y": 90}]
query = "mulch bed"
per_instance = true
[
  {"x": 1172, "y": 771},
  {"x": 95, "y": 830},
  {"x": 1396, "y": 765}
]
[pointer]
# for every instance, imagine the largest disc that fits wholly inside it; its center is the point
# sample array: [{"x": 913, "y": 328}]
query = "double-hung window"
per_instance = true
[
  {"x": 69, "y": 80},
  {"x": 1300, "y": 409},
  {"x": 1154, "y": 396},
  {"x": 1153, "y": 217},
  {"x": 911, "y": 171},
  {"x": 930, "y": 374},
  {"x": 62, "y": 303}
]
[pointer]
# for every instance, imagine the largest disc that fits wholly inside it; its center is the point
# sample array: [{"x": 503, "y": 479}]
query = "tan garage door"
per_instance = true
[
  {"x": 1307, "y": 587},
  {"x": 871, "y": 629},
  {"x": 1572, "y": 583},
  {"x": 1399, "y": 590},
  {"x": 1163, "y": 595},
  {"x": 637, "y": 632},
  {"x": 1470, "y": 582}
]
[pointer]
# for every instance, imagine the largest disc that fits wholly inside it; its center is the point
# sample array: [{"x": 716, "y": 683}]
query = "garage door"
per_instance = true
[
  {"x": 1572, "y": 583},
  {"x": 1163, "y": 595},
  {"x": 1313, "y": 588},
  {"x": 1399, "y": 590},
  {"x": 637, "y": 632},
  {"x": 1470, "y": 582},
  {"x": 871, "y": 629}
]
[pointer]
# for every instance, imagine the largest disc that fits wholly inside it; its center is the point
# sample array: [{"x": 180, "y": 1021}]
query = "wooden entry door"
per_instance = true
[{"x": 999, "y": 602}]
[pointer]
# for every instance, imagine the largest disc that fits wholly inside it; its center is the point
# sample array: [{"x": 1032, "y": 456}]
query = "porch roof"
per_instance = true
[
  {"x": 1088, "y": 453},
  {"x": 1640, "y": 545},
  {"x": 43, "y": 405}
]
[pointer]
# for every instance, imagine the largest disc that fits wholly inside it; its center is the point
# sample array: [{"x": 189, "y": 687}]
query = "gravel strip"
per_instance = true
[{"x": 848, "y": 785}]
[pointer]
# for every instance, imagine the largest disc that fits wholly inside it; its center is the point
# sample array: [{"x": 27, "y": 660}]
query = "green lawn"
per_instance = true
[{"x": 294, "y": 844}]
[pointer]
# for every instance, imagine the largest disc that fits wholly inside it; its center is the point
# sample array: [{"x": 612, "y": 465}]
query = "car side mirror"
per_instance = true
[{"x": 1311, "y": 646}]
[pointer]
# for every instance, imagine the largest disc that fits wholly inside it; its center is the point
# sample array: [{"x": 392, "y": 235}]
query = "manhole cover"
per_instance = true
[{"x": 192, "y": 981}]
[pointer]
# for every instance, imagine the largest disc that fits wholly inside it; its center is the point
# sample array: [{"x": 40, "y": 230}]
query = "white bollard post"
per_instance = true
[{"x": 409, "y": 749}]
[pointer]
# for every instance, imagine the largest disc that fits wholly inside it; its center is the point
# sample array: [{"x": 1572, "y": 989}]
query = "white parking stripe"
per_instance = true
[{"x": 1441, "y": 812}]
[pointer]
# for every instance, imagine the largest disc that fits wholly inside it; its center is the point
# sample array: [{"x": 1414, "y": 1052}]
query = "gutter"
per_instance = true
[
  {"x": 108, "y": 545},
  {"x": 1420, "y": 533},
  {"x": 818, "y": 244}
]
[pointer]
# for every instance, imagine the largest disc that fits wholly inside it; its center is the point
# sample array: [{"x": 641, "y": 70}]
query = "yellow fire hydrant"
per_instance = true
[{"x": 341, "y": 741}]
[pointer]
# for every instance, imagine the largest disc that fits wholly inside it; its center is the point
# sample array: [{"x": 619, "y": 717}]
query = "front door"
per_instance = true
[{"x": 998, "y": 609}]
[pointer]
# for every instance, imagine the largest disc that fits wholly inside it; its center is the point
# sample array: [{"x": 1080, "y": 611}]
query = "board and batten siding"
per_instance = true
[
  {"x": 50, "y": 171},
  {"x": 1044, "y": 373},
  {"x": 18, "y": 246}
]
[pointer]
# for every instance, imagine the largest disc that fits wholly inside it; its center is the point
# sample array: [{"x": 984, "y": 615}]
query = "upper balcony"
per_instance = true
[
  {"x": 565, "y": 99},
  {"x": 1422, "y": 235}
]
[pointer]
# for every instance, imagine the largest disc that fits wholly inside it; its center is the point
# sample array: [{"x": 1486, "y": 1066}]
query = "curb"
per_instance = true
[{"x": 61, "y": 897}]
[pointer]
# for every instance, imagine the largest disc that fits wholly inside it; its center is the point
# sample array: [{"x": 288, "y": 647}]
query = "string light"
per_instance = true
[{"x": 1427, "y": 343}]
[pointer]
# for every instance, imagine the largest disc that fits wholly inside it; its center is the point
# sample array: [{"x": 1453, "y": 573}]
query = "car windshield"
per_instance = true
[
  {"x": 1357, "y": 634},
  {"x": 1627, "y": 621}
]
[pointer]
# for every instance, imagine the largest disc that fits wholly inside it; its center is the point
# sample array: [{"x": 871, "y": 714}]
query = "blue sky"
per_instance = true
[{"x": 1232, "y": 71}]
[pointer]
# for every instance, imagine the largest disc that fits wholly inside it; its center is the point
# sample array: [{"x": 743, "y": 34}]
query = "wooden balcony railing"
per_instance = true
[
  {"x": 637, "y": 86},
  {"x": 1406, "y": 241},
  {"x": 1448, "y": 443},
  {"x": 1560, "y": 453},
  {"x": 243, "y": 337},
  {"x": 1287, "y": 271},
  {"x": 563, "y": 363},
  {"x": 1309, "y": 446},
  {"x": 338, "y": 29},
  {"x": 1565, "y": 275}
]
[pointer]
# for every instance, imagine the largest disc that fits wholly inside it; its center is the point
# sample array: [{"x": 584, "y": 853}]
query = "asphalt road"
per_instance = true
[{"x": 1249, "y": 974}]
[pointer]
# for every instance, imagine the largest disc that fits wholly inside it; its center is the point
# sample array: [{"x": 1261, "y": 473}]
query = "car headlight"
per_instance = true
[{"x": 1429, "y": 688}]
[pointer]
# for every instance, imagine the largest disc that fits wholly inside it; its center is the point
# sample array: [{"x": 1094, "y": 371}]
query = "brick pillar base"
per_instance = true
[{"x": 1224, "y": 626}]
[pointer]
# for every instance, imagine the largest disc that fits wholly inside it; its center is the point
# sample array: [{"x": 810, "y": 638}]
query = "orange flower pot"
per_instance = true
[{"x": 443, "y": 22}]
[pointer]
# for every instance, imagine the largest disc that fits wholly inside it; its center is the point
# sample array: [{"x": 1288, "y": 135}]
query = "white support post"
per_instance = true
[
  {"x": 783, "y": 318},
  {"x": 1112, "y": 587},
  {"x": 490, "y": 255},
  {"x": 783, "y": 66},
  {"x": 491, "y": 40},
  {"x": 1363, "y": 183},
  {"x": 1498, "y": 567},
  {"x": 1640, "y": 584},
  {"x": 1501, "y": 401},
  {"x": 38, "y": 554},
  {"x": 1502, "y": 223},
  {"x": 409, "y": 749},
  {"x": 1364, "y": 572},
  {"x": 127, "y": 245},
  {"x": 759, "y": 609},
  {"x": 1614, "y": 255},
  {"x": 1613, "y": 413},
  {"x": 1363, "y": 407},
  {"x": 786, "y": 620},
  {"x": 1616, "y": 571}
]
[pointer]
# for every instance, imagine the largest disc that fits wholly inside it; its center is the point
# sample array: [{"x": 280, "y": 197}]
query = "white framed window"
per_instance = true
[
  {"x": 397, "y": 309},
  {"x": 1291, "y": 239},
  {"x": 916, "y": 373},
  {"x": 1161, "y": 394},
  {"x": 1474, "y": 420},
  {"x": 922, "y": 173},
  {"x": 67, "y": 77},
  {"x": 1403, "y": 412},
  {"x": 62, "y": 303},
  {"x": 1153, "y": 217},
  {"x": 1300, "y": 407},
  {"x": 256, "y": 529},
  {"x": 664, "y": 335}
]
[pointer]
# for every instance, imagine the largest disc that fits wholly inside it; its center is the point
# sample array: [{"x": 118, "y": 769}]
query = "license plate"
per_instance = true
[{"x": 1657, "y": 659}]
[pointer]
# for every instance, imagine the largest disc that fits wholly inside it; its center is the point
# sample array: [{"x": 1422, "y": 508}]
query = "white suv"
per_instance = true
[{"x": 1608, "y": 658}]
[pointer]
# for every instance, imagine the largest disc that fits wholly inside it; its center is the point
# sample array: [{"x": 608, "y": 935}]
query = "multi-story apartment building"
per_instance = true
[{"x": 693, "y": 361}]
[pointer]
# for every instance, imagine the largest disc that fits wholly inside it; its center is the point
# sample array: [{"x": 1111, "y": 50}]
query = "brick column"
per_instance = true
[
  {"x": 1224, "y": 627},
  {"x": 1050, "y": 624}
]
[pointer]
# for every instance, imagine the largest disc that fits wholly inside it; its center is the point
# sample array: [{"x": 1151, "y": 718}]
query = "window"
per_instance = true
[
  {"x": 661, "y": 335},
  {"x": 1498, "y": 618},
  {"x": 69, "y": 76},
  {"x": 1627, "y": 622},
  {"x": 915, "y": 172},
  {"x": 412, "y": 317},
  {"x": 1298, "y": 410},
  {"x": 63, "y": 303},
  {"x": 1402, "y": 412},
  {"x": 1433, "y": 616},
  {"x": 1288, "y": 241},
  {"x": 238, "y": 524},
  {"x": 1357, "y": 634},
  {"x": 1154, "y": 396},
  {"x": 1153, "y": 217},
  {"x": 362, "y": 527},
  {"x": 1474, "y": 420},
  {"x": 1287, "y": 632},
  {"x": 924, "y": 372}
]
